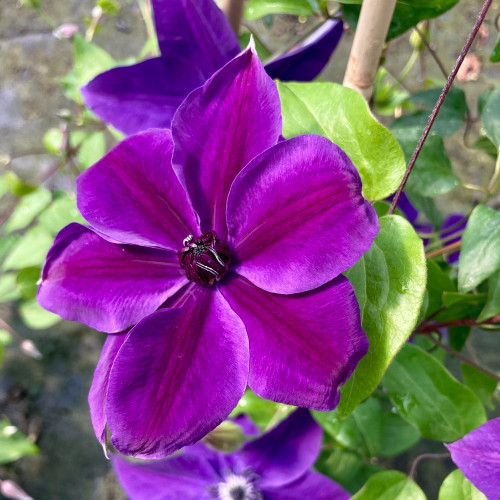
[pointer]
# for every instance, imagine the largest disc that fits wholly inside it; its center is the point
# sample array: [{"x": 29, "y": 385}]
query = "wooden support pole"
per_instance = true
[{"x": 233, "y": 10}]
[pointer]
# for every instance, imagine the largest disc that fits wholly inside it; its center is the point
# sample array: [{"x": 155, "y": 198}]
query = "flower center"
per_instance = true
[
  {"x": 205, "y": 258},
  {"x": 237, "y": 488}
]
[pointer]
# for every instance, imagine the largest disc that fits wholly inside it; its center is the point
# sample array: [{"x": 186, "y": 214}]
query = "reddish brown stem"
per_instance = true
[
  {"x": 439, "y": 103},
  {"x": 457, "y": 322},
  {"x": 446, "y": 249},
  {"x": 417, "y": 460}
]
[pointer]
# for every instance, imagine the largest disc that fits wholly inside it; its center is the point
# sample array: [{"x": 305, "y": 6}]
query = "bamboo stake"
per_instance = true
[
  {"x": 233, "y": 10},
  {"x": 367, "y": 46}
]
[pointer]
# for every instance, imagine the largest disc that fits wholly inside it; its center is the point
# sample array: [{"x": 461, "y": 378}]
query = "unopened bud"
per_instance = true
[
  {"x": 65, "y": 31},
  {"x": 10, "y": 489},
  {"x": 416, "y": 40},
  {"x": 30, "y": 349}
]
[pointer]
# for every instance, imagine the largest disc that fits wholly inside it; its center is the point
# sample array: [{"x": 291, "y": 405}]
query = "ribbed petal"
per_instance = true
[
  {"x": 219, "y": 128},
  {"x": 182, "y": 477},
  {"x": 310, "y": 485},
  {"x": 296, "y": 217},
  {"x": 302, "y": 347},
  {"x": 141, "y": 96},
  {"x": 477, "y": 455},
  {"x": 306, "y": 61},
  {"x": 177, "y": 376},
  {"x": 133, "y": 196},
  {"x": 283, "y": 454},
  {"x": 107, "y": 286},
  {"x": 196, "y": 30},
  {"x": 99, "y": 388}
]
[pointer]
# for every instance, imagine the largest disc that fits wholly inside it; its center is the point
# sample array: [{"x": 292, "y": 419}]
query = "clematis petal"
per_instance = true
[
  {"x": 184, "y": 476},
  {"x": 145, "y": 95},
  {"x": 247, "y": 425},
  {"x": 106, "y": 286},
  {"x": 306, "y": 61},
  {"x": 302, "y": 347},
  {"x": 177, "y": 376},
  {"x": 477, "y": 455},
  {"x": 219, "y": 128},
  {"x": 296, "y": 217},
  {"x": 310, "y": 485},
  {"x": 99, "y": 388},
  {"x": 283, "y": 454},
  {"x": 196, "y": 30},
  {"x": 132, "y": 195}
]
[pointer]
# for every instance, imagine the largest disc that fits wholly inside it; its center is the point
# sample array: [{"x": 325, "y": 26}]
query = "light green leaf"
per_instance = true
[
  {"x": 342, "y": 115},
  {"x": 432, "y": 174},
  {"x": 262, "y": 52},
  {"x": 30, "y": 250},
  {"x": 17, "y": 186},
  {"x": 397, "y": 435},
  {"x": 389, "y": 485},
  {"x": 389, "y": 282},
  {"x": 5, "y": 337},
  {"x": 254, "y": 9},
  {"x": 480, "y": 383},
  {"x": 36, "y": 317},
  {"x": 492, "y": 306},
  {"x": 490, "y": 116},
  {"x": 27, "y": 209},
  {"x": 13, "y": 444},
  {"x": 92, "y": 149},
  {"x": 109, "y": 7},
  {"x": 479, "y": 255},
  {"x": 26, "y": 281},
  {"x": 53, "y": 141},
  {"x": 427, "y": 396},
  {"x": 60, "y": 213},
  {"x": 8, "y": 287},
  {"x": 457, "y": 487}
]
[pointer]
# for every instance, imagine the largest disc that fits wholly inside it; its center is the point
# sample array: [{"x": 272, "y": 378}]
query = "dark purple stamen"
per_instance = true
[{"x": 205, "y": 258}]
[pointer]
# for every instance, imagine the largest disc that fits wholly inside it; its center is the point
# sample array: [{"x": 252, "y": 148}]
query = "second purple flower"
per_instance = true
[{"x": 218, "y": 248}]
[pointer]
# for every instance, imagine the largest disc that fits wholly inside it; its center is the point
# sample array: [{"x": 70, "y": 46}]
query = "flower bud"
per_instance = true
[{"x": 416, "y": 40}]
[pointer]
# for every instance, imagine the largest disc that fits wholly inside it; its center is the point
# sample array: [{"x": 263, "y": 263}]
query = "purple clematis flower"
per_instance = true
[
  {"x": 477, "y": 455},
  {"x": 239, "y": 237},
  {"x": 276, "y": 466},
  {"x": 195, "y": 40}
]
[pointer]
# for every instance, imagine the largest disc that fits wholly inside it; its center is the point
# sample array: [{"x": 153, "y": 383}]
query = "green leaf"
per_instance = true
[
  {"x": 495, "y": 55},
  {"x": 109, "y": 7},
  {"x": 437, "y": 283},
  {"x": 457, "y": 487},
  {"x": 36, "y": 317},
  {"x": 30, "y": 250},
  {"x": 342, "y": 115},
  {"x": 389, "y": 485},
  {"x": 92, "y": 149},
  {"x": 27, "y": 209},
  {"x": 254, "y": 9},
  {"x": 8, "y": 288},
  {"x": 60, "y": 213},
  {"x": 17, "y": 186},
  {"x": 408, "y": 13},
  {"x": 481, "y": 383},
  {"x": 492, "y": 306},
  {"x": 427, "y": 396},
  {"x": 26, "y": 280},
  {"x": 53, "y": 141},
  {"x": 432, "y": 174},
  {"x": 485, "y": 144},
  {"x": 5, "y": 337},
  {"x": 397, "y": 435},
  {"x": 89, "y": 61},
  {"x": 389, "y": 282},
  {"x": 13, "y": 444},
  {"x": 490, "y": 117},
  {"x": 479, "y": 255},
  {"x": 428, "y": 207},
  {"x": 262, "y": 51}
]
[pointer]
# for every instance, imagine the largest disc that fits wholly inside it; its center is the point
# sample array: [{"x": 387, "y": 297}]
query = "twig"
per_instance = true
[
  {"x": 430, "y": 48},
  {"x": 447, "y": 249},
  {"x": 439, "y": 103},
  {"x": 417, "y": 460},
  {"x": 428, "y": 328}
]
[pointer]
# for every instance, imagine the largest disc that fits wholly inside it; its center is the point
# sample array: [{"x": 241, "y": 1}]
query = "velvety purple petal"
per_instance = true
[
  {"x": 246, "y": 424},
  {"x": 178, "y": 375},
  {"x": 107, "y": 286},
  {"x": 283, "y": 454},
  {"x": 306, "y": 61},
  {"x": 183, "y": 476},
  {"x": 132, "y": 194},
  {"x": 302, "y": 347},
  {"x": 310, "y": 485},
  {"x": 457, "y": 222},
  {"x": 219, "y": 128},
  {"x": 477, "y": 455},
  {"x": 145, "y": 95},
  {"x": 99, "y": 388},
  {"x": 296, "y": 217},
  {"x": 196, "y": 30}
]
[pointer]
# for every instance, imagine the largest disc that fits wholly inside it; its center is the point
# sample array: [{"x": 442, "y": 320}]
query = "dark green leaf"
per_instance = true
[
  {"x": 458, "y": 336},
  {"x": 342, "y": 115},
  {"x": 389, "y": 485},
  {"x": 481, "y": 383},
  {"x": 495, "y": 55},
  {"x": 17, "y": 186},
  {"x": 26, "y": 280},
  {"x": 437, "y": 283},
  {"x": 479, "y": 255},
  {"x": 457, "y": 487},
  {"x": 428, "y": 207},
  {"x": 490, "y": 117},
  {"x": 389, "y": 282},
  {"x": 485, "y": 144},
  {"x": 492, "y": 306},
  {"x": 262, "y": 51},
  {"x": 397, "y": 435},
  {"x": 427, "y": 396},
  {"x": 13, "y": 444}
]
